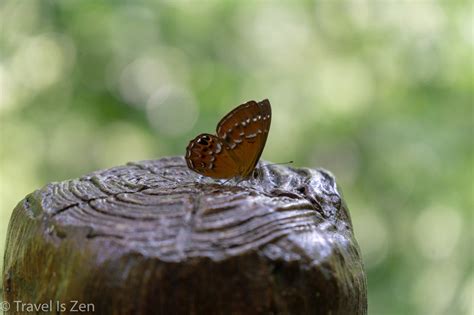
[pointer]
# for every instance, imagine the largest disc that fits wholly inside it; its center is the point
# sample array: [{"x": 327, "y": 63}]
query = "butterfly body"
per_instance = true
[{"x": 237, "y": 146}]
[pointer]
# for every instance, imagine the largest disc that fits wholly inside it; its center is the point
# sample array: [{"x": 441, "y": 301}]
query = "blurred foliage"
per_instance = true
[{"x": 380, "y": 93}]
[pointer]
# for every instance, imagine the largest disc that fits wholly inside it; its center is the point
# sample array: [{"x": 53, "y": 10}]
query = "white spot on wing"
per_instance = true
[{"x": 218, "y": 148}]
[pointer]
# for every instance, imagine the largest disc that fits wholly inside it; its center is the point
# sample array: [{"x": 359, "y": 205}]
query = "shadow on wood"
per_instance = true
[{"x": 154, "y": 237}]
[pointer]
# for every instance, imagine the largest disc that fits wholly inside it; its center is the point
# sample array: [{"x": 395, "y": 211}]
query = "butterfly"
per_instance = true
[{"x": 236, "y": 148}]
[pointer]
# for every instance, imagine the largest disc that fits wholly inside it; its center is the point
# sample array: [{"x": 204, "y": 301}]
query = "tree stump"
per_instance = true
[{"x": 153, "y": 237}]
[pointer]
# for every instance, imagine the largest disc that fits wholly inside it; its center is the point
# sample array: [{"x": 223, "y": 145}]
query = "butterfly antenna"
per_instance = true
[{"x": 283, "y": 163}]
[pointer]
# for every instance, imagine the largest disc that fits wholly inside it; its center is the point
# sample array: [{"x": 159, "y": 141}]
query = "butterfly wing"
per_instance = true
[
  {"x": 244, "y": 133},
  {"x": 206, "y": 155}
]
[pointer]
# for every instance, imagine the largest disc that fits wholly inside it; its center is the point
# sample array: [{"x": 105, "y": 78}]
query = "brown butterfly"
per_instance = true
[{"x": 235, "y": 151}]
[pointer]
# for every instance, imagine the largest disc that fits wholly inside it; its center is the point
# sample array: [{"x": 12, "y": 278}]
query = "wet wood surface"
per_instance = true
[{"x": 153, "y": 237}]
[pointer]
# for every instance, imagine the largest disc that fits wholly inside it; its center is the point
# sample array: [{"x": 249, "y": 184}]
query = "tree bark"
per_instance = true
[{"x": 153, "y": 237}]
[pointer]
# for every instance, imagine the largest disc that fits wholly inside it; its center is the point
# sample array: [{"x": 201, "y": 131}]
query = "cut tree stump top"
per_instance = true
[{"x": 155, "y": 237}]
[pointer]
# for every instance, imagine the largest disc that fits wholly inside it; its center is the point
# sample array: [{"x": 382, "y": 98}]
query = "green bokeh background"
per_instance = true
[{"x": 379, "y": 93}]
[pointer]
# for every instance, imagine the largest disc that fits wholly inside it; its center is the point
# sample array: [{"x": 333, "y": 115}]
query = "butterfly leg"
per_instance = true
[
  {"x": 239, "y": 180},
  {"x": 226, "y": 181}
]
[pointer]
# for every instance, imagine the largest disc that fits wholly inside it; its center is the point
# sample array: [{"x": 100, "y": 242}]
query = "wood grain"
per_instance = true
[{"x": 155, "y": 237}]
